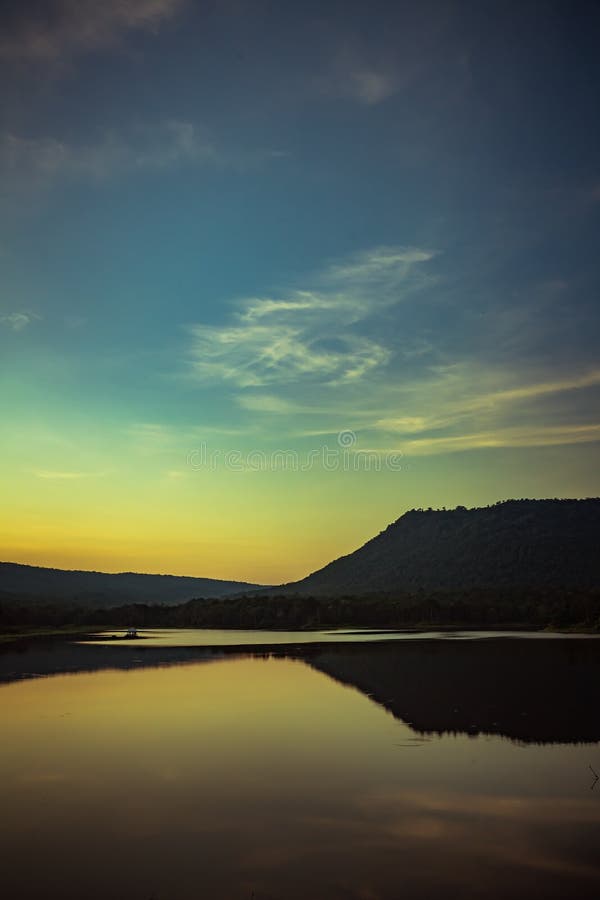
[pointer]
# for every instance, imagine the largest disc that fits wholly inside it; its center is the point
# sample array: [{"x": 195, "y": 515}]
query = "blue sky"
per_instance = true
[{"x": 255, "y": 226}]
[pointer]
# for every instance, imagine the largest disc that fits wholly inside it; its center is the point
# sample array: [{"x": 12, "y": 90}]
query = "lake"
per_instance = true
[{"x": 259, "y": 765}]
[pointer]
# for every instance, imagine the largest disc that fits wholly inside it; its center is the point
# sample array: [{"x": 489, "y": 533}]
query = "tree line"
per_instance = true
[{"x": 477, "y": 607}]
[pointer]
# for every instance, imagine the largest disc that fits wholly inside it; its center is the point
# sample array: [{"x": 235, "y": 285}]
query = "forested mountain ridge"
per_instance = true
[
  {"x": 98, "y": 589},
  {"x": 519, "y": 561},
  {"x": 512, "y": 544}
]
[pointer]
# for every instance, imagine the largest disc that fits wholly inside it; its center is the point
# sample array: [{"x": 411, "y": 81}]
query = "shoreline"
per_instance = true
[{"x": 91, "y": 633}]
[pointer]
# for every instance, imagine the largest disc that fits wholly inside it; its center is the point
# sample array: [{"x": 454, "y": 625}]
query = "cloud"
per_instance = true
[
  {"x": 367, "y": 86},
  {"x": 320, "y": 334},
  {"x": 456, "y": 395},
  {"x": 370, "y": 87},
  {"x": 265, "y": 403},
  {"x": 64, "y": 476},
  {"x": 70, "y": 27},
  {"x": 173, "y": 441},
  {"x": 152, "y": 430},
  {"x": 168, "y": 144},
  {"x": 39, "y": 162},
  {"x": 446, "y": 410},
  {"x": 351, "y": 75},
  {"x": 152, "y": 437},
  {"x": 382, "y": 264},
  {"x": 532, "y": 391},
  {"x": 359, "y": 71},
  {"x": 451, "y": 409},
  {"x": 404, "y": 424},
  {"x": 17, "y": 321},
  {"x": 275, "y": 353},
  {"x": 543, "y": 436},
  {"x": 378, "y": 343}
]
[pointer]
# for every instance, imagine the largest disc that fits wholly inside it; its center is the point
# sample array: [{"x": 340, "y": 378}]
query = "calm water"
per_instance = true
[
  {"x": 215, "y": 637},
  {"x": 425, "y": 768}
]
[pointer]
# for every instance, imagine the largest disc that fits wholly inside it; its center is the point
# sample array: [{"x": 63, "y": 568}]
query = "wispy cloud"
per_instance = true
[
  {"x": 457, "y": 394},
  {"x": 169, "y": 440},
  {"x": 68, "y": 27},
  {"x": 381, "y": 265},
  {"x": 280, "y": 353},
  {"x": 152, "y": 437},
  {"x": 370, "y": 86},
  {"x": 265, "y": 403},
  {"x": 543, "y": 436},
  {"x": 165, "y": 145},
  {"x": 532, "y": 391},
  {"x": 351, "y": 75},
  {"x": 332, "y": 356},
  {"x": 319, "y": 334},
  {"x": 358, "y": 72},
  {"x": 445, "y": 412},
  {"x": 17, "y": 321},
  {"x": 48, "y": 474},
  {"x": 154, "y": 431}
]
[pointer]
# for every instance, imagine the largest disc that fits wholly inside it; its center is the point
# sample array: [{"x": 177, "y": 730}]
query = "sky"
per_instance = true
[{"x": 274, "y": 273}]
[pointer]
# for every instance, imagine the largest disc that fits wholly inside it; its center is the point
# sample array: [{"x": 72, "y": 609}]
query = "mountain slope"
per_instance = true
[
  {"x": 516, "y": 543},
  {"x": 99, "y": 589}
]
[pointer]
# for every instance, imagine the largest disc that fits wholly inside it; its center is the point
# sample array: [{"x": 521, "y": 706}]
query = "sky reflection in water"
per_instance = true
[{"x": 238, "y": 775}]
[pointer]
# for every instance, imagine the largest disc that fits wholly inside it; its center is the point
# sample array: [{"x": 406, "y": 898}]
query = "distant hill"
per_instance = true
[
  {"x": 101, "y": 589},
  {"x": 513, "y": 544}
]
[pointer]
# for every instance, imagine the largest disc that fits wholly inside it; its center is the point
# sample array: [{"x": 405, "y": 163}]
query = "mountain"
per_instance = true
[
  {"x": 101, "y": 589},
  {"x": 513, "y": 544}
]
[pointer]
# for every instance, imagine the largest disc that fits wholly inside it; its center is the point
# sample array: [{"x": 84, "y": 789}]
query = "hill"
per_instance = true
[
  {"x": 514, "y": 544},
  {"x": 101, "y": 589}
]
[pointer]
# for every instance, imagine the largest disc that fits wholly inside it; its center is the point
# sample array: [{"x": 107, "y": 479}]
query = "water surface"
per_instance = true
[
  {"x": 179, "y": 773},
  {"x": 215, "y": 637}
]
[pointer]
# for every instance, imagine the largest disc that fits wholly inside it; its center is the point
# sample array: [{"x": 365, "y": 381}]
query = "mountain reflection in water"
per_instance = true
[
  {"x": 181, "y": 773},
  {"x": 538, "y": 691}
]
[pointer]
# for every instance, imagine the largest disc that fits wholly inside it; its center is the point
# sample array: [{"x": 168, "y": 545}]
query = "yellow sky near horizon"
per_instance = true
[{"x": 264, "y": 527}]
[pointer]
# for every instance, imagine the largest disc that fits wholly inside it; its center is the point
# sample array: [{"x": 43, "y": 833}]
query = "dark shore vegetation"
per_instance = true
[{"x": 543, "y": 607}]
